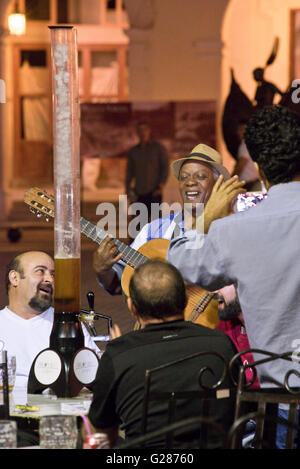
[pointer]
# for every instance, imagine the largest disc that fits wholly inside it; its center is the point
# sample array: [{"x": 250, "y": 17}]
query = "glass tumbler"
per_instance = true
[
  {"x": 58, "y": 432},
  {"x": 11, "y": 371},
  {"x": 8, "y": 434}
]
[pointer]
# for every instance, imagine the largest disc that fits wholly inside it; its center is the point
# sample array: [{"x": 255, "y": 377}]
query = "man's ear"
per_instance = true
[
  {"x": 14, "y": 278},
  {"x": 262, "y": 175},
  {"x": 131, "y": 307}
]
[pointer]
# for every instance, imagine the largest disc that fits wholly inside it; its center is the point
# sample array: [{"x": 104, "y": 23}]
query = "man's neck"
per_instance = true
[
  {"x": 144, "y": 142},
  {"x": 148, "y": 321},
  {"x": 24, "y": 311},
  {"x": 268, "y": 184}
]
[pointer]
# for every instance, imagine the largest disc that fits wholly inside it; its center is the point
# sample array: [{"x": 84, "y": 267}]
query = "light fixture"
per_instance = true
[{"x": 17, "y": 22}]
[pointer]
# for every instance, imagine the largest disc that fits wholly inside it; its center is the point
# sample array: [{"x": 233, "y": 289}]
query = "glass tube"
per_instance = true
[{"x": 66, "y": 167}]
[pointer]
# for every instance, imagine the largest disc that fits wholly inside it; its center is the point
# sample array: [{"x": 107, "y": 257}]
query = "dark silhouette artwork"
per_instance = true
[{"x": 239, "y": 107}]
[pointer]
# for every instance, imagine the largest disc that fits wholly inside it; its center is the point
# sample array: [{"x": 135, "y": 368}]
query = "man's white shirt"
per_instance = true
[{"x": 26, "y": 338}]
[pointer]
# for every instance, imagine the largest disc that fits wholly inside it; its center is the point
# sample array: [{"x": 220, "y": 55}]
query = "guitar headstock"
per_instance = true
[{"x": 40, "y": 202}]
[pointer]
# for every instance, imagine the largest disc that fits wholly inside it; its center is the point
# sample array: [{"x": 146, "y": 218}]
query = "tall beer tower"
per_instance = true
[{"x": 66, "y": 366}]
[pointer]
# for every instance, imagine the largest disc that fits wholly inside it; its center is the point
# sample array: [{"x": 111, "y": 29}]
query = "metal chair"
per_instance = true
[
  {"x": 206, "y": 393},
  {"x": 190, "y": 424},
  {"x": 264, "y": 404}
]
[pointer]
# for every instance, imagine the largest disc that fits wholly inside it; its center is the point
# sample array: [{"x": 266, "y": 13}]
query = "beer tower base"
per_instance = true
[{"x": 65, "y": 374}]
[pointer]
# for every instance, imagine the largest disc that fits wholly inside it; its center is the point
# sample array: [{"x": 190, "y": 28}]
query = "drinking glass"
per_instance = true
[
  {"x": 58, "y": 432},
  {"x": 8, "y": 434},
  {"x": 11, "y": 371}
]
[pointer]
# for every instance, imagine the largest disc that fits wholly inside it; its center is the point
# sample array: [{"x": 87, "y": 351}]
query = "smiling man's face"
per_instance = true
[
  {"x": 196, "y": 181},
  {"x": 35, "y": 283}
]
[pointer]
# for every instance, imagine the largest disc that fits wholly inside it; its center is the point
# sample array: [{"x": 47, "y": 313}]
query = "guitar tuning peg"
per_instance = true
[
  {"x": 32, "y": 209},
  {"x": 39, "y": 214},
  {"x": 47, "y": 219}
]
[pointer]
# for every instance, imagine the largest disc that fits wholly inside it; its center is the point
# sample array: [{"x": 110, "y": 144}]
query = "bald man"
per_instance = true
[
  {"x": 157, "y": 300},
  {"x": 26, "y": 323}
]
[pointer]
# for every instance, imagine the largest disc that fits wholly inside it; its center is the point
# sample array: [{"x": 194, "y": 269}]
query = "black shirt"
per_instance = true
[{"x": 119, "y": 385}]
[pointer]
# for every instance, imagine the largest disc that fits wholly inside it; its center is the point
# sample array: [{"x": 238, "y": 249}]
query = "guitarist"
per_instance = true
[{"x": 197, "y": 174}]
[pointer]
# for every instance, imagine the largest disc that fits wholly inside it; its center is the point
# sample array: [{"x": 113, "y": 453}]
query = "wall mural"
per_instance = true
[
  {"x": 239, "y": 108},
  {"x": 108, "y": 131}
]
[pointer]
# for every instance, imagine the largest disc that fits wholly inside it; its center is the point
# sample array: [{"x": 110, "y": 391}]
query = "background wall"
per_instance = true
[
  {"x": 178, "y": 51},
  {"x": 178, "y": 57},
  {"x": 248, "y": 32},
  {"x": 187, "y": 49}
]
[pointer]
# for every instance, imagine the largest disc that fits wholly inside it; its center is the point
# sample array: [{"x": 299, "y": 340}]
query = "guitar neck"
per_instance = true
[
  {"x": 207, "y": 297},
  {"x": 129, "y": 255},
  {"x": 200, "y": 306}
]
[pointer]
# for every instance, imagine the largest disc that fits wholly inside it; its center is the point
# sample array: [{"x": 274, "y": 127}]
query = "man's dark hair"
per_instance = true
[
  {"x": 14, "y": 264},
  {"x": 157, "y": 290},
  {"x": 272, "y": 136}
]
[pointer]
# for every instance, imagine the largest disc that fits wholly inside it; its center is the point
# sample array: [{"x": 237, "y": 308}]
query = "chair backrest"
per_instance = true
[
  {"x": 264, "y": 403},
  {"x": 189, "y": 424},
  {"x": 204, "y": 394}
]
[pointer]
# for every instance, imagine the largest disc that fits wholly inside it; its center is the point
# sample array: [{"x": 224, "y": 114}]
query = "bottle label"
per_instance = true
[
  {"x": 47, "y": 367},
  {"x": 85, "y": 366}
]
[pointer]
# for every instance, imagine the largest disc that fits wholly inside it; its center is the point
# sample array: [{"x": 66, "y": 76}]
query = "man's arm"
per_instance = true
[
  {"x": 110, "y": 435},
  {"x": 199, "y": 259},
  {"x": 102, "y": 416}
]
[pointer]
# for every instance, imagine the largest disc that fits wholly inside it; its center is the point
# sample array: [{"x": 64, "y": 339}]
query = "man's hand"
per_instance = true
[
  {"x": 105, "y": 256},
  {"x": 109, "y": 435},
  {"x": 115, "y": 332},
  {"x": 219, "y": 204}
]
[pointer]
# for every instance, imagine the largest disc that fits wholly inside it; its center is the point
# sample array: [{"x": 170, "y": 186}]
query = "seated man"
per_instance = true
[
  {"x": 26, "y": 323},
  {"x": 157, "y": 300}
]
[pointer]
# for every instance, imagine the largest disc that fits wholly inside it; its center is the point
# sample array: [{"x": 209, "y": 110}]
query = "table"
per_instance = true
[{"x": 47, "y": 405}]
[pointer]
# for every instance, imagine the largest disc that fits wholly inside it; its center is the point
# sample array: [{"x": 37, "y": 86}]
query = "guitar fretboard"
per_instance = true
[
  {"x": 129, "y": 255},
  {"x": 200, "y": 306}
]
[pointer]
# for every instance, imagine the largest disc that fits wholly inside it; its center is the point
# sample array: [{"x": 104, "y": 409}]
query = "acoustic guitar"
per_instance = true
[{"x": 201, "y": 308}]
